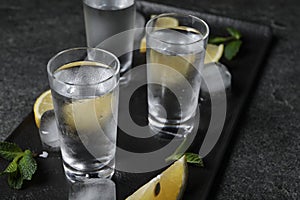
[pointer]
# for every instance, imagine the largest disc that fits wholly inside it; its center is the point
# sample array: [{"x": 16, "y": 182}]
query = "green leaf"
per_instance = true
[
  {"x": 190, "y": 158},
  {"x": 232, "y": 48},
  {"x": 234, "y": 33},
  {"x": 218, "y": 40},
  {"x": 15, "y": 180},
  {"x": 194, "y": 159},
  {"x": 12, "y": 167},
  {"x": 9, "y": 150},
  {"x": 22, "y": 167},
  {"x": 27, "y": 166}
]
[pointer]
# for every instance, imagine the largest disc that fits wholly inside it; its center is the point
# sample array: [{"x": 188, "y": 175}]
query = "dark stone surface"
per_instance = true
[{"x": 264, "y": 161}]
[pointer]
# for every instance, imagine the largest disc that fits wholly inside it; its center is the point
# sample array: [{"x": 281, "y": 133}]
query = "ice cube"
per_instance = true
[
  {"x": 216, "y": 77},
  {"x": 49, "y": 131},
  {"x": 97, "y": 189},
  {"x": 44, "y": 154}
]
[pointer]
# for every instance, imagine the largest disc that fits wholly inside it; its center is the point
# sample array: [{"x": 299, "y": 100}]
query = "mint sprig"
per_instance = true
[
  {"x": 232, "y": 42},
  {"x": 191, "y": 158},
  {"x": 9, "y": 150},
  {"x": 22, "y": 165},
  {"x": 194, "y": 158}
]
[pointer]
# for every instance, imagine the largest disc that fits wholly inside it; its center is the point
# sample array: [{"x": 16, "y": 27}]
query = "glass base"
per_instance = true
[
  {"x": 165, "y": 129},
  {"x": 74, "y": 175}
]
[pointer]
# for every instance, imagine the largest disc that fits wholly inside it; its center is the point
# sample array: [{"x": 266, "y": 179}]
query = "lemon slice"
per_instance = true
[
  {"x": 161, "y": 23},
  {"x": 168, "y": 185},
  {"x": 168, "y": 68},
  {"x": 143, "y": 47},
  {"x": 88, "y": 114},
  {"x": 166, "y": 22},
  {"x": 81, "y": 64},
  {"x": 42, "y": 104},
  {"x": 186, "y": 28},
  {"x": 213, "y": 53}
]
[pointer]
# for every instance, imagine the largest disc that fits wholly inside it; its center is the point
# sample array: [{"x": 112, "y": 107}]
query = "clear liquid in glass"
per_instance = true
[
  {"x": 106, "y": 19},
  {"x": 174, "y": 67},
  {"x": 86, "y": 118}
]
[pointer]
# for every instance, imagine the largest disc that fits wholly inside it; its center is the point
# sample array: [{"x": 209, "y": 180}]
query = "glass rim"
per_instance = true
[
  {"x": 180, "y": 15},
  {"x": 51, "y": 74}
]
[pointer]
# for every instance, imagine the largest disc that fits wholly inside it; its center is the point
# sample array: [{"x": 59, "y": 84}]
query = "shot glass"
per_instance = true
[
  {"x": 176, "y": 46},
  {"x": 84, "y": 84},
  {"x": 109, "y": 25}
]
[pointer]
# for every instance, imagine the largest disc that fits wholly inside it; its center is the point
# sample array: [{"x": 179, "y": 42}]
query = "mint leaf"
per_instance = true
[
  {"x": 232, "y": 43},
  {"x": 22, "y": 167},
  {"x": 232, "y": 48},
  {"x": 194, "y": 158},
  {"x": 27, "y": 166},
  {"x": 15, "y": 180},
  {"x": 218, "y": 40},
  {"x": 234, "y": 33},
  {"x": 9, "y": 150},
  {"x": 12, "y": 167}
]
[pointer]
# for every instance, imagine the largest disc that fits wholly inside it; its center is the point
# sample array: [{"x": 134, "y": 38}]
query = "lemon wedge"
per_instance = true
[
  {"x": 88, "y": 114},
  {"x": 213, "y": 53},
  {"x": 168, "y": 185},
  {"x": 42, "y": 104},
  {"x": 168, "y": 68},
  {"x": 166, "y": 22},
  {"x": 143, "y": 46},
  {"x": 161, "y": 23}
]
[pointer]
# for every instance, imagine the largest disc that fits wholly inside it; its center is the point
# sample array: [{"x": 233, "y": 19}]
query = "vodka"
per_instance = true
[
  {"x": 87, "y": 123},
  {"x": 173, "y": 72},
  {"x": 107, "y": 23}
]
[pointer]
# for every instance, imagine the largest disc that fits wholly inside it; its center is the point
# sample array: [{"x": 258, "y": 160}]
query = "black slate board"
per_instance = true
[{"x": 49, "y": 181}]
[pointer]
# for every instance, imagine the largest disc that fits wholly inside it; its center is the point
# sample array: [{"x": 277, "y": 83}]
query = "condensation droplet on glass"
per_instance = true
[{"x": 70, "y": 90}]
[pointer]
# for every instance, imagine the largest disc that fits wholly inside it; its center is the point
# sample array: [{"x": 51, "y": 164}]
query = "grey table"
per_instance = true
[{"x": 264, "y": 159}]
